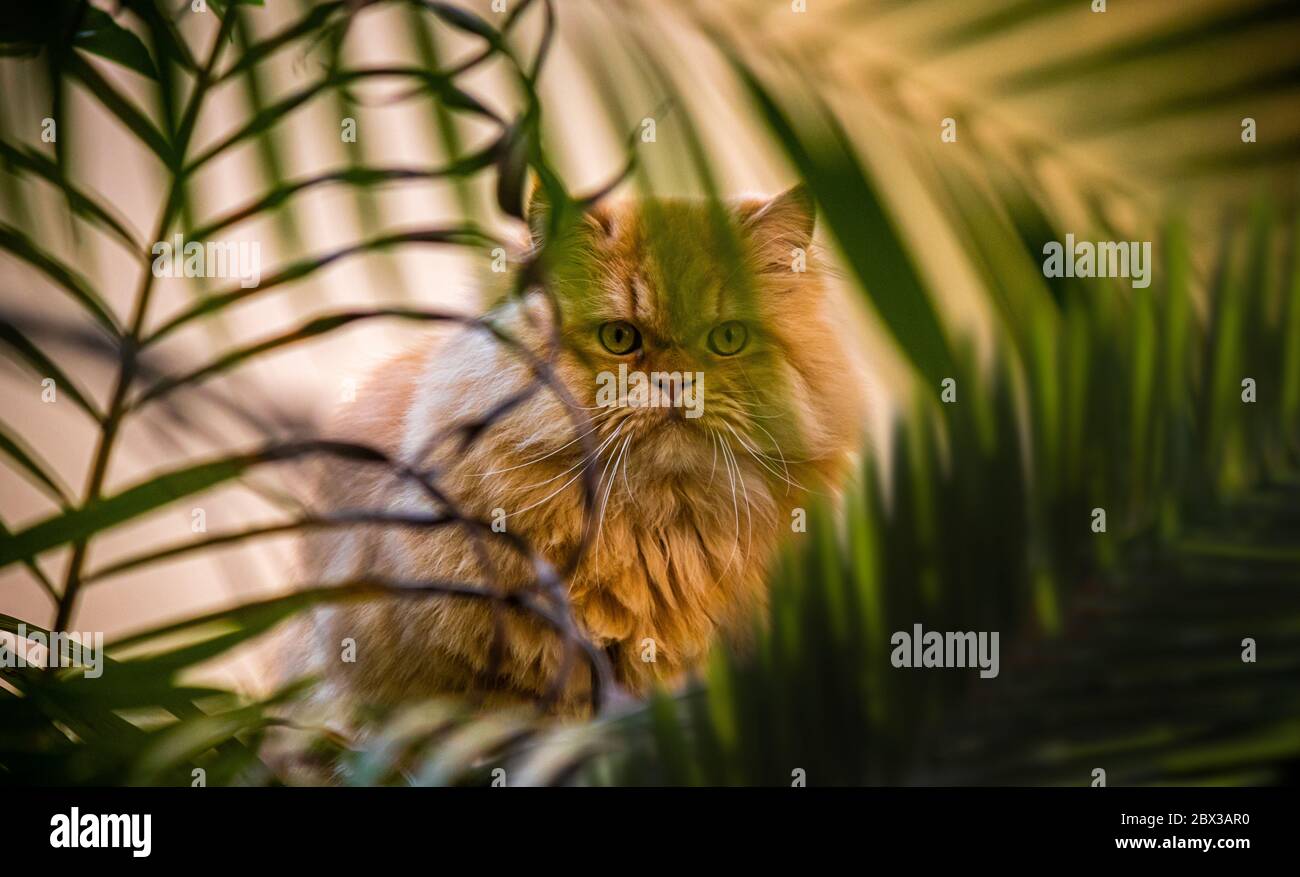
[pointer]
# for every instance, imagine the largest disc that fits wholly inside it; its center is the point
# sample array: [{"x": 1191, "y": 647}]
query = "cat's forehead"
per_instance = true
[
  {"x": 678, "y": 263},
  {"x": 679, "y": 234}
]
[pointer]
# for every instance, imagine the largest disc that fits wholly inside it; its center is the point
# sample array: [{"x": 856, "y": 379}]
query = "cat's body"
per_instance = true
[{"x": 690, "y": 510}]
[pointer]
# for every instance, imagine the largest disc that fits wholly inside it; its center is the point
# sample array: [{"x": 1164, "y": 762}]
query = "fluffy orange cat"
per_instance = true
[{"x": 692, "y": 502}]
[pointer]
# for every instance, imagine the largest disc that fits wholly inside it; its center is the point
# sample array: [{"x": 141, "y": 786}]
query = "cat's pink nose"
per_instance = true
[
  {"x": 664, "y": 384},
  {"x": 672, "y": 385}
]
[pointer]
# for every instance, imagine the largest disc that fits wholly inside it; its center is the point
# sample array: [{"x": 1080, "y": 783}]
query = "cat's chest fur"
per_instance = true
[
  {"x": 674, "y": 562},
  {"x": 673, "y": 559}
]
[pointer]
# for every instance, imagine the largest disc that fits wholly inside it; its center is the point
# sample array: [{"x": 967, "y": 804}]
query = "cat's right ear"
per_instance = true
[
  {"x": 538, "y": 211},
  {"x": 596, "y": 220}
]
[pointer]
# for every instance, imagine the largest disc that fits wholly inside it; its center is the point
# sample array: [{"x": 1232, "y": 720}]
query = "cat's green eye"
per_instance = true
[
  {"x": 620, "y": 337},
  {"x": 729, "y": 338}
]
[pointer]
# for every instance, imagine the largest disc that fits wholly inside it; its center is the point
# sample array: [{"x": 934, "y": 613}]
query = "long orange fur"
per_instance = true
[{"x": 691, "y": 511}]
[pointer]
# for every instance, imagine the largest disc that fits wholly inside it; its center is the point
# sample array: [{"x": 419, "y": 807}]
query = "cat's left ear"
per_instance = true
[{"x": 784, "y": 222}]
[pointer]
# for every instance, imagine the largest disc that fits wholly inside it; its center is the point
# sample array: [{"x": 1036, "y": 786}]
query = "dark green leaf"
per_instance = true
[
  {"x": 153, "y": 493},
  {"x": 23, "y": 247},
  {"x": 100, "y": 34}
]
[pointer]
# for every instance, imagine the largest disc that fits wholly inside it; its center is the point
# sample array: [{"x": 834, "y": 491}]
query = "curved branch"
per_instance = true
[
  {"x": 442, "y": 84},
  {"x": 305, "y": 267},
  {"x": 230, "y": 537}
]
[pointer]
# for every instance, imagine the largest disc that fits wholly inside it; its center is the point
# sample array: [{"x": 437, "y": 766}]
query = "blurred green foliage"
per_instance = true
[{"x": 1121, "y": 650}]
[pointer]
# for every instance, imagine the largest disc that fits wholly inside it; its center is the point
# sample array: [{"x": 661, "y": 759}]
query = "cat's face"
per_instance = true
[{"x": 697, "y": 329}]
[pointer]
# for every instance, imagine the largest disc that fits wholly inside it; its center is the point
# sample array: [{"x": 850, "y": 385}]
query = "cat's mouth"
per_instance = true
[
  {"x": 668, "y": 441},
  {"x": 668, "y": 420}
]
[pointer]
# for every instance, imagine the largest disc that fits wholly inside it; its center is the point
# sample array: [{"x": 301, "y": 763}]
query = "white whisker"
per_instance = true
[
  {"x": 714, "y": 468},
  {"x": 585, "y": 459},
  {"x": 628, "y": 487},
  {"x": 735, "y": 509},
  {"x": 777, "y": 446},
  {"x": 595, "y": 427},
  {"x": 613, "y": 476},
  {"x": 759, "y": 458},
  {"x": 567, "y": 483},
  {"x": 749, "y": 508},
  {"x": 614, "y": 457}
]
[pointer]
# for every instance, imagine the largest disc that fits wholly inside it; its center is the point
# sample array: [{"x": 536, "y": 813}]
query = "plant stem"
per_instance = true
[{"x": 131, "y": 341}]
